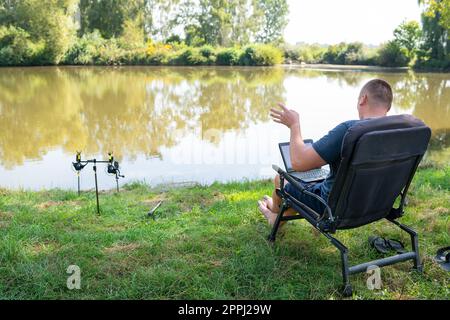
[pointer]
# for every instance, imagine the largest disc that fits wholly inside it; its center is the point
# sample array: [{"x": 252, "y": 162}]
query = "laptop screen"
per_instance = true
[{"x": 286, "y": 154}]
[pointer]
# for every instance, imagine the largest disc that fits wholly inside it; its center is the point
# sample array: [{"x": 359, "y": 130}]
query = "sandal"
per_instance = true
[
  {"x": 443, "y": 258},
  {"x": 385, "y": 246}
]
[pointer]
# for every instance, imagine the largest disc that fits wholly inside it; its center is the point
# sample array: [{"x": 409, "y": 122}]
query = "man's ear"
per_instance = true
[{"x": 363, "y": 99}]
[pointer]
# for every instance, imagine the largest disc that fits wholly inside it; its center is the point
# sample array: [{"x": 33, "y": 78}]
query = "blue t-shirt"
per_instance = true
[{"x": 329, "y": 149}]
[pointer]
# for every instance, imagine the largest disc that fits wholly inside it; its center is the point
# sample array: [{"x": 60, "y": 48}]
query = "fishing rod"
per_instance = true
[{"x": 112, "y": 169}]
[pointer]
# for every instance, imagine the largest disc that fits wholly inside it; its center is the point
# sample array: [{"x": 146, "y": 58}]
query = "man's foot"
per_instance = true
[
  {"x": 268, "y": 214},
  {"x": 269, "y": 202}
]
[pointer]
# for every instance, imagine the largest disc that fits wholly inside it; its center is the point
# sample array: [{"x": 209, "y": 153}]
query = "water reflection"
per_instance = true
[
  {"x": 131, "y": 111},
  {"x": 141, "y": 112}
]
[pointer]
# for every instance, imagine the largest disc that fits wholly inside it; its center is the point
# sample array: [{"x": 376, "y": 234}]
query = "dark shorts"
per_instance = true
[{"x": 306, "y": 199}]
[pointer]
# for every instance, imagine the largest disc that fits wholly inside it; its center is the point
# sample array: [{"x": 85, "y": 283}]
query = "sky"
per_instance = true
[{"x": 334, "y": 21}]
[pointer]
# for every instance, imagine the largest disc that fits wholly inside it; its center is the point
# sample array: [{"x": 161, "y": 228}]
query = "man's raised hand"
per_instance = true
[{"x": 285, "y": 116}]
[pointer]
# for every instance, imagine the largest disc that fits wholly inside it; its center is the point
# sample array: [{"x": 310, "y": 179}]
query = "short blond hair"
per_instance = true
[{"x": 379, "y": 93}]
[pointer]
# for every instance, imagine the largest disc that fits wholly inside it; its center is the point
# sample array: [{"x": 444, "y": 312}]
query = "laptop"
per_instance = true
[{"x": 314, "y": 175}]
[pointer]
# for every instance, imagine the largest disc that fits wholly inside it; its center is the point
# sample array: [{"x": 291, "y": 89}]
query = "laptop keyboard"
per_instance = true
[{"x": 312, "y": 175}]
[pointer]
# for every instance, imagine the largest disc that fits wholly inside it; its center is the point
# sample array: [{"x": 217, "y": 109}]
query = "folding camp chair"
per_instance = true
[{"x": 379, "y": 158}]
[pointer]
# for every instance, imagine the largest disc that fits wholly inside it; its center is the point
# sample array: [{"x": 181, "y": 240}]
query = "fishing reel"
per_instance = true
[
  {"x": 113, "y": 167},
  {"x": 77, "y": 165}
]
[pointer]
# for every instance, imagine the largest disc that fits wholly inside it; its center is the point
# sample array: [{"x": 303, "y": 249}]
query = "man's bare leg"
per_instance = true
[{"x": 270, "y": 207}]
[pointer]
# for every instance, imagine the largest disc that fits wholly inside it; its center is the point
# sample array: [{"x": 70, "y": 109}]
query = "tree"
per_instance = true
[
  {"x": 232, "y": 22},
  {"x": 435, "y": 50},
  {"x": 7, "y": 11},
  {"x": 245, "y": 21},
  {"x": 216, "y": 21},
  {"x": 162, "y": 17},
  {"x": 274, "y": 20},
  {"x": 439, "y": 8},
  {"x": 49, "y": 21},
  {"x": 16, "y": 48},
  {"x": 104, "y": 15},
  {"x": 392, "y": 55},
  {"x": 111, "y": 17},
  {"x": 408, "y": 35}
]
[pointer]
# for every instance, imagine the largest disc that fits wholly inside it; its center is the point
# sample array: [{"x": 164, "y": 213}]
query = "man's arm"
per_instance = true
[{"x": 303, "y": 157}]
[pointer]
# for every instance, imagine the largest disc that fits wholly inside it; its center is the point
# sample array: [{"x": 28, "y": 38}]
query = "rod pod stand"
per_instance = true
[
  {"x": 113, "y": 168},
  {"x": 96, "y": 185},
  {"x": 78, "y": 177}
]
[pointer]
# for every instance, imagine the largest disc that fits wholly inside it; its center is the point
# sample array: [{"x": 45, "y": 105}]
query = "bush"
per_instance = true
[
  {"x": 93, "y": 49},
  {"x": 346, "y": 54},
  {"x": 334, "y": 54},
  {"x": 86, "y": 50},
  {"x": 392, "y": 55},
  {"x": 261, "y": 55},
  {"x": 191, "y": 57},
  {"x": 290, "y": 52},
  {"x": 173, "y": 39},
  {"x": 228, "y": 57},
  {"x": 311, "y": 54},
  {"x": 209, "y": 53},
  {"x": 433, "y": 64},
  {"x": 158, "y": 53},
  {"x": 425, "y": 62},
  {"x": 160, "y": 57},
  {"x": 110, "y": 53},
  {"x": 16, "y": 48},
  {"x": 135, "y": 57},
  {"x": 304, "y": 53}
]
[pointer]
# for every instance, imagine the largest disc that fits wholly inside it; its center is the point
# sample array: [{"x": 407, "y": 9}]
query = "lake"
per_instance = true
[{"x": 183, "y": 125}]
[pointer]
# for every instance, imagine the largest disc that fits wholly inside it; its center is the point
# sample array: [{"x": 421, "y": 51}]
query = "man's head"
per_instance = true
[{"x": 375, "y": 99}]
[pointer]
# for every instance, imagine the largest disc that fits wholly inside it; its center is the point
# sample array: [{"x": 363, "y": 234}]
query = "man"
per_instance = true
[{"x": 375, "y": 100}]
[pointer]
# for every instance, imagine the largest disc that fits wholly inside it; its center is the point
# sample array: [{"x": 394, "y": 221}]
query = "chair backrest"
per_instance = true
[{"x": 379, "y": 158}]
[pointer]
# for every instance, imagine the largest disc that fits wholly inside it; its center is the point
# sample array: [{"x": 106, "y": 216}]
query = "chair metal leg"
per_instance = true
[
  {"x": 276, "y": 226},
  {"x": 414, "y": 244},
  {"x": 347, "y": 290}
]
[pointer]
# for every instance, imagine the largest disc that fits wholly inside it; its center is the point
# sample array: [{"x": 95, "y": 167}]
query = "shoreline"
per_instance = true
[
  {"x": 318, "y": 66},
  {"x": 183, "y": 185},
  {"x": 341, "y": 67}
]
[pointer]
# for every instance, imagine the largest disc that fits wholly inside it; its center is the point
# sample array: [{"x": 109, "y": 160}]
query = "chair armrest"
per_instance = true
[
  {"x": 284, "y": 175},
  {"x": 289, "y": 178}
]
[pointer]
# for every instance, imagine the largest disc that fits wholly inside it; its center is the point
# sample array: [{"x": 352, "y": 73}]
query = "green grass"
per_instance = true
[{"x": 206, "y": 243}]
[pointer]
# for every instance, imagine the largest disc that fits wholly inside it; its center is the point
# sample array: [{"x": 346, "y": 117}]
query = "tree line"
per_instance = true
[
  {"x": 46, "y": 31},
  {"x": 198, "y": 32},
  {"x": 424, "y": 45}
]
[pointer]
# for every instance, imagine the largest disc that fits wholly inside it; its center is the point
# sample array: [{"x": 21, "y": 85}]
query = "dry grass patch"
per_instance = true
[
  {"x": 209, "y": 200},
  {"x": 5, "y": 219},
  {"x": 203, "y": 200},
  {"x": 150, "y": 203},
  {"x": 4, "y": 224},
  {"x": 6, "y": 215},
  {"x": 43, "y": 247},
  {"x": 51, "y": 204},
  {"x": 217, "y": 263},
  {"x": 122, "y": 248},
  {"x": 48, "y": 204}
]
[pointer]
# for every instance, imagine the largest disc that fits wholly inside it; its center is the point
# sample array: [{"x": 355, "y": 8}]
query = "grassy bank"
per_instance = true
[
  {"x": 206, "y": 243},
  {"x": 342, "y": 67}
]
